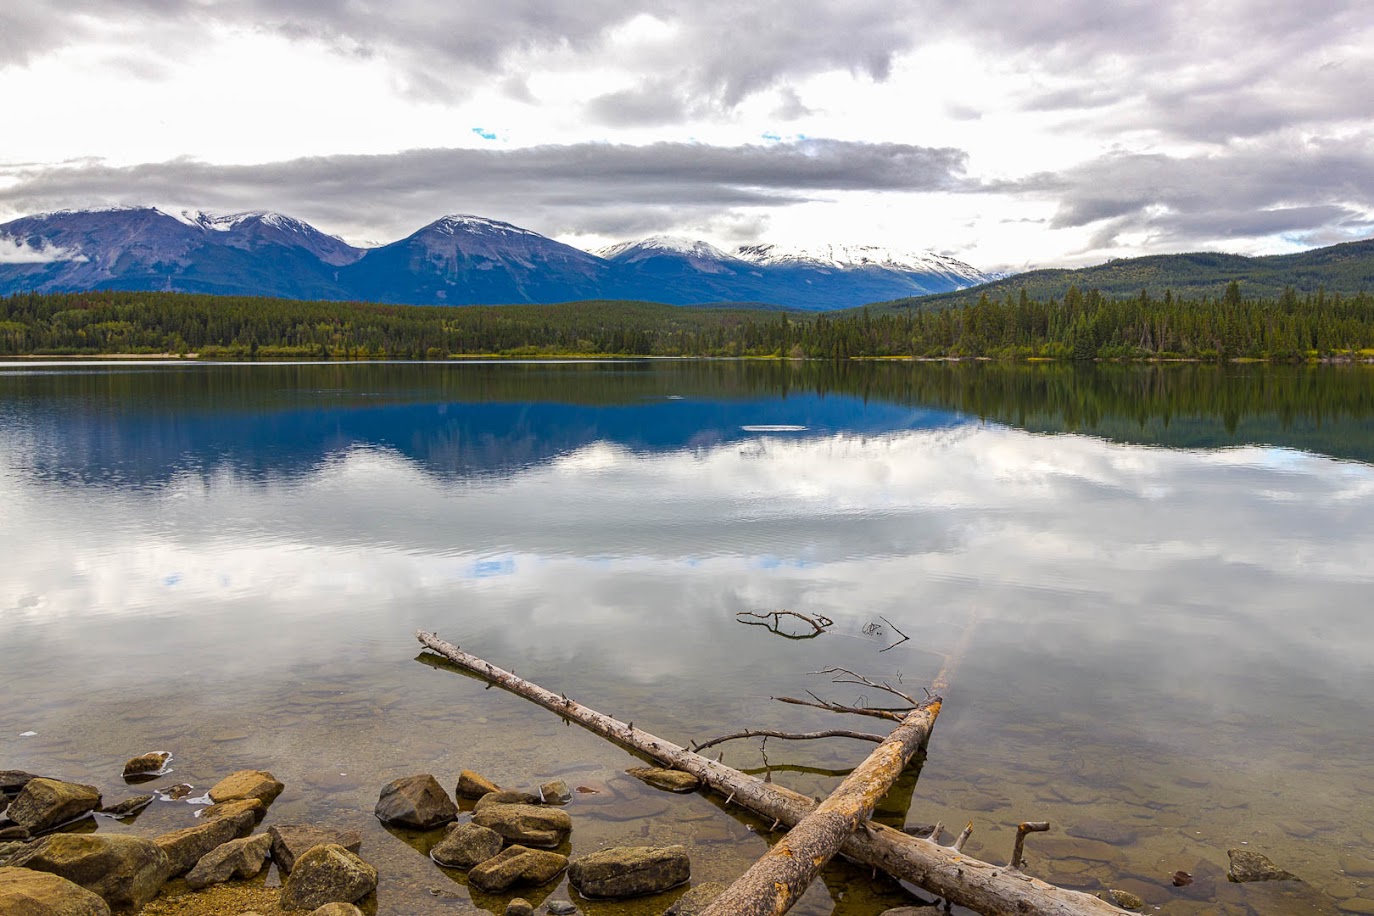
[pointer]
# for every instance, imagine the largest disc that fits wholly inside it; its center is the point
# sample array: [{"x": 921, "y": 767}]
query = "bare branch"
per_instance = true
[
  {"x": 856, "y": 678},
  {"x": 788, "y": 736},
  {"x": 819, "y": 624},
  {"x": 899, "y": 633},
  {"x": 837, "y": 707},
  {"x": 1021, "y": 831}
]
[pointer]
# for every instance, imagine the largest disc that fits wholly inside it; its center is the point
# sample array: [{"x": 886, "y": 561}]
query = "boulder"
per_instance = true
[
  {"x": 506, "y": 797},
  {"x": 24, "y": 892},
  {"x": 127, "y": 871},
  {"x": 44, "y": 803},
  {"x": 337, "y": 909},
  {"x": 1124, "y": 899},
  {"x": 466, "y": 845},
  {"x": 1252, "y": 866},
  {"x": 561, "y": 907},
  {"x": 529, "y": 825},
  {"x": 185, "y": 847},
  {"x": 696, "y": 900},
  {"x": 235, "y": 809},
  {"x": 11, "y": 781},
  {"x": 669, "y": 780},
  {"x": 240, "y": 858},
  {"x": 474, "y": 785},
  {"x": 415, "y": 801},
  {"x": 127, "y": 807},
  {"x": 520, "y": 907},
  {"x": 327, "y": 874},
  {"x": 630, "y": 871},
  {"x": 257, "y": 784},
  {"x": 146, "y": 765},
  {"x": 516, "y": 865},
  {"x": 14, "y": 832},
  {"x": 291, "y": 841},
  {"x": 555, "y": 792}
]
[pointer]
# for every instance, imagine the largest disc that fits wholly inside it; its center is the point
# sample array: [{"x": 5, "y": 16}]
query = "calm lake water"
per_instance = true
[{"x": 1161, "y": 579}]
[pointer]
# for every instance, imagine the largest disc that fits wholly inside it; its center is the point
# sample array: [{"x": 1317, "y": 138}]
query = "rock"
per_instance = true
[
  {"x": 1103, "y": 831},
  {"x": 516, "y": 864},
  {"x": 127, "y": 871},
  {"x": 4, "y": 803},
  {"x": 24, "y": 892},
  {"x": 257, "y": 784},
  {"x": 561, "y": 907},
  {"x": 1252, "y": 866},
  {"x": 337, "y": 909},
  {"x": 474, "y": 785},
  {"x": 630, "y": 871},
  {"x": 127, "y": 807},
  {"x": 1357, "y": 906},
  {"x": 9, "y": 849},
  {"x": 11, "y": 781},
  {"x": 327, "y": 874},
  {"x": 555, "y": 792},
  {"x": 146, "y": 765},
  {"x": 14, "y": 833},
  {"x": 415, "y": 801},
  {"x": 291, "y": 841},
  {"x": 176, "y": 792},
  {"x": 1181, "y": 878},
  {"x": 1124, "y": 899},
  {"x": 1357, "y": 867},
  {"x": 44, "y": 803},
  {"x": 240, "y": 858},
  {"x": 519, "y": 907},
  {"x": 185, "y": 847},
  {"x": 466, "y": 845},
  {"x": 506, "y": 797},
  {"x": 696, "y": 900},
  {"x": 235, "y": 809},
  {"x": 529, "y": 825},
  {"x": 669, "y": 780}
]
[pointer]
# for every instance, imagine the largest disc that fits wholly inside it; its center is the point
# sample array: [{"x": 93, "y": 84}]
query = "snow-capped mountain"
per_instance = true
[
  {"x": 145, "y": 248},
  {"x": 858, "y": 257},
  {"x": 456, "y": 260},
  {"x": 461, "y": 260}
]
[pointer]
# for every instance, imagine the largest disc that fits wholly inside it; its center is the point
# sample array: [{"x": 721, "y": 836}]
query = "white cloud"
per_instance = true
[{"x": 17, "y": 251}]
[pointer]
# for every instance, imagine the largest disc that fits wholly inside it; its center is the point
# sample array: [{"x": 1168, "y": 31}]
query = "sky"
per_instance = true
[{"x": 1010, "y": 135}]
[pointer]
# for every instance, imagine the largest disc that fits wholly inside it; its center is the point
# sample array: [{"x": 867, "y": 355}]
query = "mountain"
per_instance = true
[
  {"x": 687, "y": 272},
  {"x": 456, "y": 260},
  {"x": 1346, "y": 268},
  {"x": 465, "y": 260},
  {"x": 142, "y": 248}
]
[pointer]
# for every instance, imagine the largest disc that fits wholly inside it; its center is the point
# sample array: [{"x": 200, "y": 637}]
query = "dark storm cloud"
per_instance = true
[{"x": 582, "y": 188}]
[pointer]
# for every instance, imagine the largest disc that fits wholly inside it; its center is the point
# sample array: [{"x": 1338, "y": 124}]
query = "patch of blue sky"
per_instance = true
[
  {"x": 500, "y": 566},
  {"x": 484, "y": 133},
  {"x": 172, "y": 580}
]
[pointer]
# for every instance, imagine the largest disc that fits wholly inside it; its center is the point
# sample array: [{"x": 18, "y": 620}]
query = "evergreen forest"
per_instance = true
[{"x": 1080, "y": 326}]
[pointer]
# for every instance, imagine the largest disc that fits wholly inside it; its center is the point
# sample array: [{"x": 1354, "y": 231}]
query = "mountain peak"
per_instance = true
[
  {"x": 664, "y": 244},
  {"x": 467, "y": 223},
  {"x": 849, "y": 257}
]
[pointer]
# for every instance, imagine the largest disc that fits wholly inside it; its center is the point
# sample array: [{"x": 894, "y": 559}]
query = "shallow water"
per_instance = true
[{"x": 1162, "y": 576}]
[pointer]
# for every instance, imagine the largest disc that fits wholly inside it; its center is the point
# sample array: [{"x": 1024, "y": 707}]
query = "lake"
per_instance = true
[{"x": 1152, "y": 585}]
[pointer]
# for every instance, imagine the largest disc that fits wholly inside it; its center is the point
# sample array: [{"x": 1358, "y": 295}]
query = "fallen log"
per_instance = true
[
  {"x": 961, "y": 880},
  {"x": 777, "y": 880}
]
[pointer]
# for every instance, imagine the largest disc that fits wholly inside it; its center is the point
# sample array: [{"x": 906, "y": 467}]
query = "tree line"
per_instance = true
[{"x": 1082, "y": 326}]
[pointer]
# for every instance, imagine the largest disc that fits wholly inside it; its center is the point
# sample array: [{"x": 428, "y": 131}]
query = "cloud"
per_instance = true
[
  {"x": 1245, "y": 190},
  {"x": 17, "y": 251},
  {"x": 589, "y": 187}
]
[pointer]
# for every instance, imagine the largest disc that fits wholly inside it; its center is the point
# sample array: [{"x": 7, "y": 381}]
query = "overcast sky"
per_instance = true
[{"x": 1005, "y": 133}]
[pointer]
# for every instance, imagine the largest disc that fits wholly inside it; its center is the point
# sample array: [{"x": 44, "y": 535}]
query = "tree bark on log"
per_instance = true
[
  {"x": 980, "y": 886},
  {"x": 781, "y": 876}
]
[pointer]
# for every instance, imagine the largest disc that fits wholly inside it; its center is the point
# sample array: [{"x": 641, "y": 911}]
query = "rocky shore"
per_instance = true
[{"x": 54, "y": 860}]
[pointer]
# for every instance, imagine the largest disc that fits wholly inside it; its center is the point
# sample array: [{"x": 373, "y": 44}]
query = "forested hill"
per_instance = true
[{"x": 1347, "y": 268}]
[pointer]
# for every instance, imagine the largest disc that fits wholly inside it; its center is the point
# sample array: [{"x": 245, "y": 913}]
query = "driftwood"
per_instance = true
[
  {"x": 778, "y": 879},
  {"x": 788, "y": 736},
  {"x": 962, "y": 880},
  {"x": 819, "y": 624}
]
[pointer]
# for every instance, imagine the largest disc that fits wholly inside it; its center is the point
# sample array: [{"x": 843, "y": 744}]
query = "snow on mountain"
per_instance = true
[
  {"x": 656, "y": 245},
  {"x": 844, "y": 257}
]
